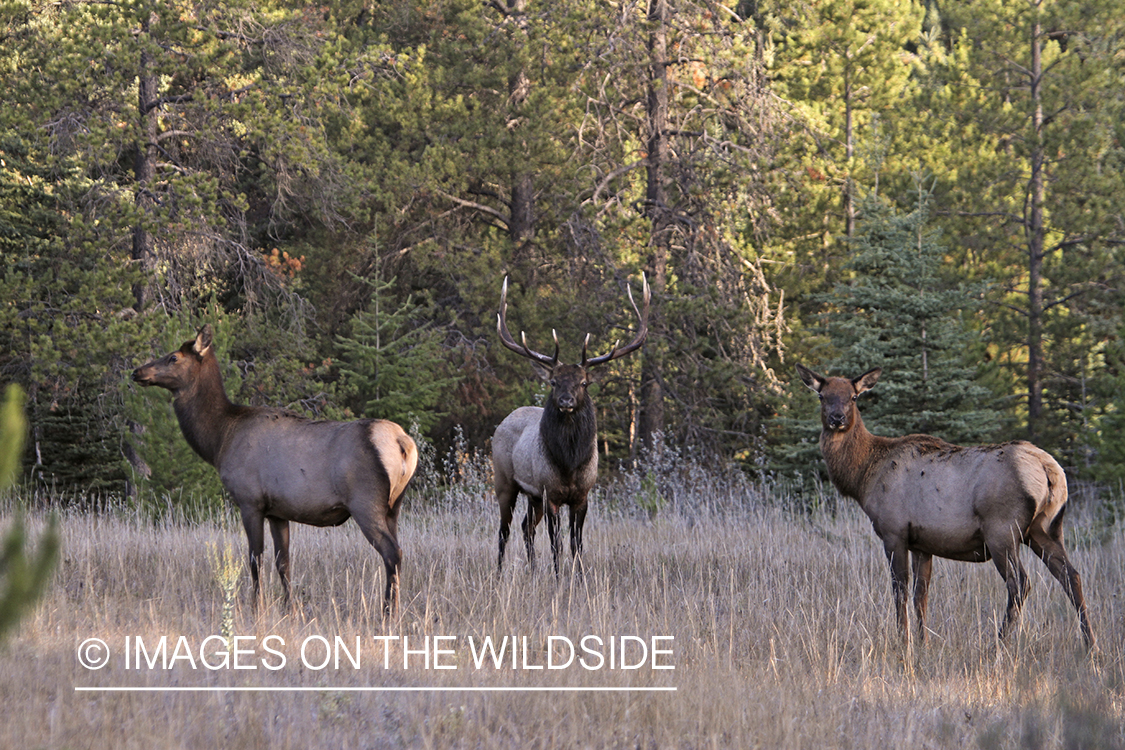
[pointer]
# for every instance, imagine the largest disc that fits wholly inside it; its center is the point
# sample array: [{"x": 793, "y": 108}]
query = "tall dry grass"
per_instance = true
[{"x": 782, "y": 623}]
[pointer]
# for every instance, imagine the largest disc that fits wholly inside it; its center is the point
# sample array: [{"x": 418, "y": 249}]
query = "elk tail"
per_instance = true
[
  {"x": 1055, "y": 507},
  {"x": 397, "y": 453},
  {"x": 408, "y": 453}
]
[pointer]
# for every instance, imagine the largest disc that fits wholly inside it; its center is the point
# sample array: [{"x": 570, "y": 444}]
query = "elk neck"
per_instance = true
[
  {"x": 204, "y": 411},
  {"x": 851, "y": 456},
  {"x": 569, "y": 438}
]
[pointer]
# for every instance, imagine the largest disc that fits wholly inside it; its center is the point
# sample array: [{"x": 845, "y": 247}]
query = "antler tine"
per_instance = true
[
  {"x": 646, "y": 294},
  {"x": 506, "y": 337},
  {"x": 642, "y": 332}
]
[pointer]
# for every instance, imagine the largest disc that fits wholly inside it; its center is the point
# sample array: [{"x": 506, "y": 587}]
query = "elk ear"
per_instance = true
[
  {"x": 810, "y": 378},
  {"x": 867, "y": 380},
  {"x": 202, "y": 341}
]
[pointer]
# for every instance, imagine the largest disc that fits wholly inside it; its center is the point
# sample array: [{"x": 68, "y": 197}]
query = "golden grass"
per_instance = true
[{"x": 783, "y": 632}]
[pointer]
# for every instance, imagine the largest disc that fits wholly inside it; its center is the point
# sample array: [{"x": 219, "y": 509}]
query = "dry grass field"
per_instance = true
[{"x": 782, "y": 628}]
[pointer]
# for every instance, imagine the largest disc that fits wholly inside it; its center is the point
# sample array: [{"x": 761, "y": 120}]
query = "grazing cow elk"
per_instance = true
[
  {"x": 282, "y": 467},
  {"x": 928, "y": 497},
  {"x": 550, "y": 453}
]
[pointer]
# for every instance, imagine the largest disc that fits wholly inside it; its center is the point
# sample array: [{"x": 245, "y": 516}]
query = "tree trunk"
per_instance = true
[
  {"x": 144, "y": 172},
  {"x": 1035, "y": 243},
  {"x": 849, "y": 153},
  {"x": 521, "y": 223},
  {"x": 651, "y": 419}
]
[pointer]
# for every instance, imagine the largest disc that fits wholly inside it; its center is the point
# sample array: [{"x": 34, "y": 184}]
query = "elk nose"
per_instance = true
[
  {"x": 836, "y": 421},
  {"x": 566, "y": 403}
]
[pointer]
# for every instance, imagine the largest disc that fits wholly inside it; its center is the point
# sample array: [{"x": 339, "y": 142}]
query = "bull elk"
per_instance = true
[
  {"x": 928, "y": 497},
  {"x": 550, "y": 453},
  {"x": 281, "y": 467}
]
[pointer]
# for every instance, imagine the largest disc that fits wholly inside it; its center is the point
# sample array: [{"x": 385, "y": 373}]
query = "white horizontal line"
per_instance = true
[{"x": 264, "y": 689}]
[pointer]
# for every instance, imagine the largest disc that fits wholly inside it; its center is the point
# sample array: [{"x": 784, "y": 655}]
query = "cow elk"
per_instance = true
[
  {"x": 550, "y": 453},
  {"x": 927, "y": 497},
  {"x": 281, "y": 467}
]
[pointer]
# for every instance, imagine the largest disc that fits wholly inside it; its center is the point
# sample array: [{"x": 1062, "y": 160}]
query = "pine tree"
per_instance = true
[
  {"x": 1027, "y": 95},
  {"x": 392, "y": 365},
  {"x": 900, "y": 313}
]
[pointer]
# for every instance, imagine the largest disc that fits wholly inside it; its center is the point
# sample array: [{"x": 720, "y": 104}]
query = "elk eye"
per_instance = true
[
  {"x": 173, "y": 359},
  {"x": 855, "y": 397},
  {"x": 553, "y": 382}
]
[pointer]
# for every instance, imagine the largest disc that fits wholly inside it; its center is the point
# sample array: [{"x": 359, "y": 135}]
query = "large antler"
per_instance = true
[
  {"x": 521, "y": 349},
  {"x": 633, "y": 345}
]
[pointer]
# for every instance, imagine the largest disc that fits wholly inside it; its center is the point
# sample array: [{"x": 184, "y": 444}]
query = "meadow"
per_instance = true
[{"x": 779, "y": 617}]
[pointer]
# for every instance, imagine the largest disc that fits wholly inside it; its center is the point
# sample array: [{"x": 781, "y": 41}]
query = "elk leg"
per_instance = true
[
  {"x": 577, "y": 519},
  {"x": 1007, "y": 561},
  {"x": 530, "y": 521},
  {"x": 553, "y": 533},
  {"x": 507, "y": 499},
  {"x": 279, "y": 529},
  {"x": 381, "y": 536},
  {"x": 253, "y": 522},
  {"x": 1051, "y": 551},
  {"x": 898, "y": 558},
  {"x": 922, "y": 564}
]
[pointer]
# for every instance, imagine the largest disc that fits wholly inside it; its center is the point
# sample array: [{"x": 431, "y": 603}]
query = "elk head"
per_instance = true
[
  {"x": 179, "y": 370},
  {"x": 838, "y": 396},
  {"x": 569, "y": 382}
]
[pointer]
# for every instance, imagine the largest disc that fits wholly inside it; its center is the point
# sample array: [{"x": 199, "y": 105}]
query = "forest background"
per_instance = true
[{"x": 932, "y": 188}]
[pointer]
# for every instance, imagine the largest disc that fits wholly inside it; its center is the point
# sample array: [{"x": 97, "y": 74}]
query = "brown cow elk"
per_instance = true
[
  {"x": 927, "y": 497},
  {"x": 281, "y": 467},
  {"x": 550, "y": 453}
]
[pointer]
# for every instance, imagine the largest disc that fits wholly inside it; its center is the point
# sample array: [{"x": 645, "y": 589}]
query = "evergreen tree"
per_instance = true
[
  {"x": 846, "y": 68},
  {"x": 1105, "y": 459},
  {"x": 66, "y": 327},
  {"x": 678, "y": 129},
  {"x": 1027, "y": 95},
  {"x": 901, "y": 313},
  {"x": 392, "y": 365},
  {"x": 847, "y": 72}
]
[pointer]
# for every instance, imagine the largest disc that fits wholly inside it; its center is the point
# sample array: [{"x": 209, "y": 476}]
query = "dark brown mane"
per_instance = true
[{"x": 569, "y": 439}]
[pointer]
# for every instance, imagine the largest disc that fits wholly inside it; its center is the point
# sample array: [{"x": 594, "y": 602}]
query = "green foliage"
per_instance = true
[
  {"x": 1108, "y": 457},
  {"x": 66, "y": 325},
  {"x": 1033, "y": 118},
  {"x": 479, "y": 140},
  {"x": 392, "y": 365},
  {"x": 900, "y": 313},
  {"x": 23, "y": 574},
  {"x": 848, "y": 71},
  {"x": 13, "y": 432}
]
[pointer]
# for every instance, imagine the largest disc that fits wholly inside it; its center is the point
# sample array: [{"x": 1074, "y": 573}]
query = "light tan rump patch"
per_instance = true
[{"x": 399, "y": 454}]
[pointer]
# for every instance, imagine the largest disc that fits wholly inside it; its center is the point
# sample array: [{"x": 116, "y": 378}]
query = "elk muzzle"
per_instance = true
[
  {"x": 836, "y": 420},
  {"x": 143, "y": 375}
]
